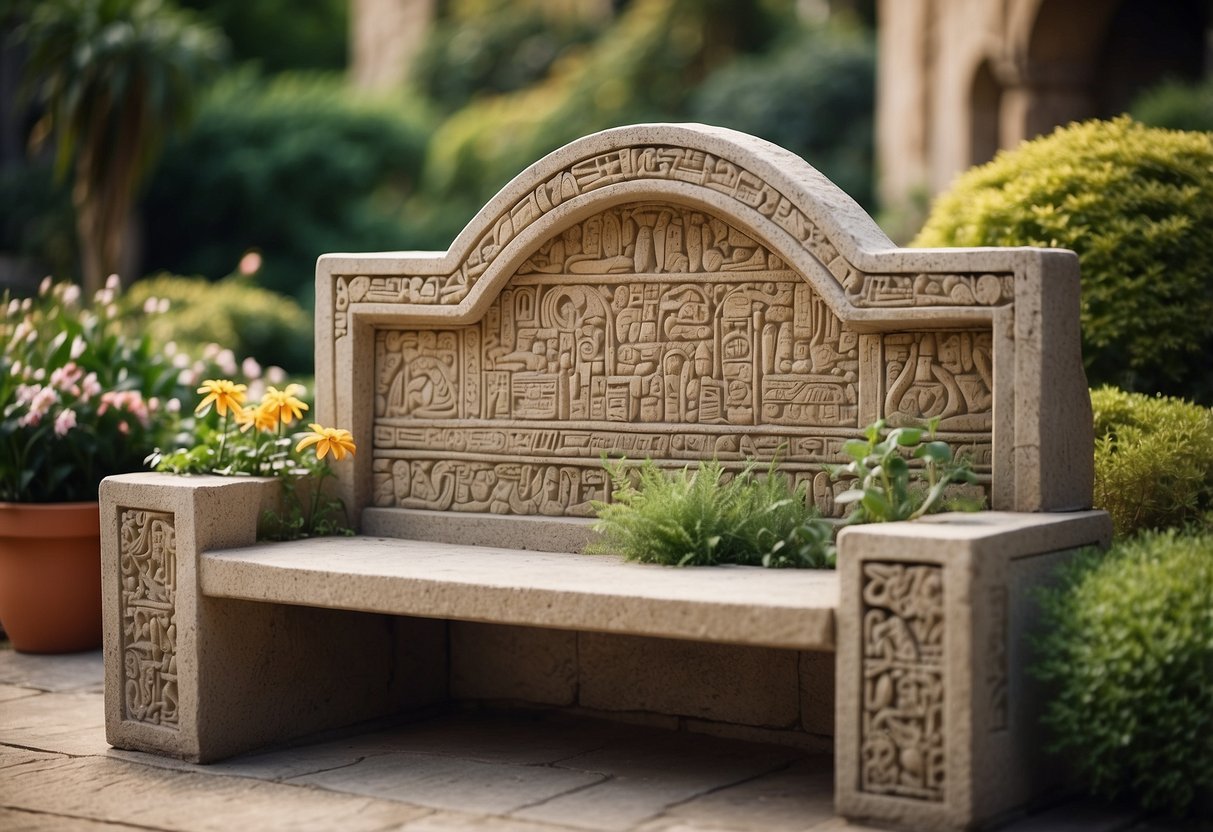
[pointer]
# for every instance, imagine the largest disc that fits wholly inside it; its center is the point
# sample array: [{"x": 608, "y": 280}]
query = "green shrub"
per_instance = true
[
  {"x": 1153, "y": 460},
  {"x": 234, "y": 313},
  {"x": 1136, "y": 203},
  {"x": 1127, "y": 645},
  {"x": 814, "y": 95},
  {"x": 36, "y": 217},
  {"x": 476, "y": 51},
  {"x": 1177, "y": 106},
  {"x": 279, "y": 35},
  {"x": 294, "y": 167},
  {"x": 698, "y": 518},
  {"x": 642, "y": 68}
]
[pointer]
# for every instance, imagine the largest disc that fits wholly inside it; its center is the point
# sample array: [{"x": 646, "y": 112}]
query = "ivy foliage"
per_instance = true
[
  {"x": 1153, "y": 460},
  {"x": 1136, "y": 204},
  {"x": 1127, "y": 646}
]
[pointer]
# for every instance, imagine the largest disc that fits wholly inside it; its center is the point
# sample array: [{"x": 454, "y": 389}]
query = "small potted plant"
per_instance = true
[{"x": 80, "y": 399}]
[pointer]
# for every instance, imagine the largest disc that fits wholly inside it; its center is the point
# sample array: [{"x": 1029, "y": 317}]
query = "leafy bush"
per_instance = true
[
  {"x": 294, "y": 167},
  {"x": 814, "y": 95},
  {"x": 700, "y": 518},
  {"x": 251, "y": 321},
  {"x": 1153, "y": 460},
  {"x": 507, "y": 47},
  {"x": 280, "y": 35},
  {"x": 643, "y": 68},
  {"x": 1127, "y": 643},
  {"x": 1177, "y": 106},
  {"x": 36, "y": 218},
  {"x": 1136, "y": 203}
]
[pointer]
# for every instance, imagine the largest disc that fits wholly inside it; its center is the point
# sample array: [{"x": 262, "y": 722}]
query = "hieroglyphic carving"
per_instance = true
[
  {"x": 901, "y": 729},
  {"x": 944, "y": 375},
  {"x": 647, "y": 330},
  {"x": 996, "y": 651},
  {"x": 674, "y": 164},
  {"x": 905, "y": 290},
  {"x": 616, "y": 336},
  {"x": 147, "y": 552}
]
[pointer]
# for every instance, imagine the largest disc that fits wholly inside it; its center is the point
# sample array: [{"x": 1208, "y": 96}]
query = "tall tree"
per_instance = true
[{"x": 115, "y": 77}]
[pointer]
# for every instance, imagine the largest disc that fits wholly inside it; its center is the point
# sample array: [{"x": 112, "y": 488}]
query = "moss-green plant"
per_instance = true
[
  {"x": 1153, "y": 460},
  {"x": 1136, "y": 204},
  {"x": 1127, "y": 646},
  {"x": 886, "y": 487},
  {"x": 701, "y": 517},
  {"x": 249, "y": 320},
  {"x": 1177, "y": 106}
]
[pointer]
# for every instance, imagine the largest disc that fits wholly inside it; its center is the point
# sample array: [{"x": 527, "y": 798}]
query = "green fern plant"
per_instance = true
[{"x": 701, "y": 518}]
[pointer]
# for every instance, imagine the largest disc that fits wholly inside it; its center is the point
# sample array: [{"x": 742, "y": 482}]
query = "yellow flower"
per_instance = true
[
  {"x": 225, "y": 394},
  {"x": 259, "y": 417},
  {"x": 337, "y": 440},
  {"x": 283, "y": 405}
]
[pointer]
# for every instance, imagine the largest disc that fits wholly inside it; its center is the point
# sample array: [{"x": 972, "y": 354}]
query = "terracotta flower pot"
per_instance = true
[{"x": 50, "y": 576}]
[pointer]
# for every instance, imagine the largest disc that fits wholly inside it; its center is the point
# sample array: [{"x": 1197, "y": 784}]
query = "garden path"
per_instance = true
[{"x": 501, "y": 772}]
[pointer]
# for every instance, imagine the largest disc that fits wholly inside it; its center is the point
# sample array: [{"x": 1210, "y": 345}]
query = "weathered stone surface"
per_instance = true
[
  {"x": 494, "y": 661},
  {"x": 11, "y": 692},
  {"x": 451, "y": 783},
  {"x": 747, "y": 685},
  {"x": 817, "y": 692},
  {"x": 932, "y": 637},
  {"x": 19, "y": 820},
  {"x": 645, "y": 778},
  {"x": 116, "y": 791},
  {"x": 68, "y": 723},
  {"x": 794, "y": 798},
  {"x": 71, "y": 671},
  {"x": 738, "y": 604},
  {"x": 443, "y": 821}
]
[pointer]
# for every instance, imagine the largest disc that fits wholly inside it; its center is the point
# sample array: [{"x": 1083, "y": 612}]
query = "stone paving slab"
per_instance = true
[
  {"x": 515, "y": 771},
  {"x": 101, "y": 789},
  {"x": 68, "y": 672},
  {"x": 69, "y": 723},
  {"x": 442, "y": 782}
]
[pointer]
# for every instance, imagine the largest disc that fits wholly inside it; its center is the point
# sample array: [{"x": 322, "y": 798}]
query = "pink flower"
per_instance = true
[
  {"x": 250, "y": 368},
  {"x": 90, "y": 386},
  {"x": 250, "y": 263},
  {"x": 66, "y": 376},
  {"x": 65, "y": 421}
]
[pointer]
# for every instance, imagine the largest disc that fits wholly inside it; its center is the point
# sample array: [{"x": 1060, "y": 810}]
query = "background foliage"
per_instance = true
[
  {"x": 1126, "y": 643},
  {"x": 1153, "y": 460},
  {"x": 294, "y": 166},
  {"x": 1136, "y": 203}
]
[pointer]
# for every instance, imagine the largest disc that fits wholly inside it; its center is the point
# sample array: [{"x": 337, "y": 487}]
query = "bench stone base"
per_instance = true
[{"x": 934, "y": 721}]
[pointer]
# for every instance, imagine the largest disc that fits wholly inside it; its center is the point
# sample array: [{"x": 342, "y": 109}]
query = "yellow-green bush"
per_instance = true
[
  {"x": 1136, "y": 203},
  {"x": 233, "y": 312},
  {"x": 1126, "y": 644},
  {"x": 1153, "y": 460}
]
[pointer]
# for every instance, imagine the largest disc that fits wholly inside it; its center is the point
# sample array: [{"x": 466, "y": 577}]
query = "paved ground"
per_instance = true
[{"x": 516, "y": 772}]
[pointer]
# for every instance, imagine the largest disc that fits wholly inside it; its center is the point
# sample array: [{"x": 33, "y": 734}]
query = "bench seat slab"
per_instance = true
[{"x": 727, "y": 604}]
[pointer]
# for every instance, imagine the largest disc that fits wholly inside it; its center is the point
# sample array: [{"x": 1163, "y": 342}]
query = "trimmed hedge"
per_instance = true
[
  {"x": 1136, "y": 203},
  {"x": 1127, "y": 646},
  {"x": 1153, "y": 460}
]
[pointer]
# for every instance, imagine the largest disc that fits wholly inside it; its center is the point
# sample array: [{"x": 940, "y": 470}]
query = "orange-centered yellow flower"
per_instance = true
[
  {"x": 225, "y": 394},
  {"x": 258, "y": 417},
  {"x": 337, "y": 440},
  {"x": 283, "y": 404}
]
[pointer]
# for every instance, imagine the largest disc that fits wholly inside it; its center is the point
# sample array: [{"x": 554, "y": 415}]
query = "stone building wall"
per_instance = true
[{"x": 960, "y": 79}]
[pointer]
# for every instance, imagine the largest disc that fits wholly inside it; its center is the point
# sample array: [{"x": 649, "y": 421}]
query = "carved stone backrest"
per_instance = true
[{"x": 684, "y": 292}]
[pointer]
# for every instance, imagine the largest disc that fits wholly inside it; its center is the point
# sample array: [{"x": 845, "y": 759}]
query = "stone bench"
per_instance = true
[{"x": 677, "y": 292}]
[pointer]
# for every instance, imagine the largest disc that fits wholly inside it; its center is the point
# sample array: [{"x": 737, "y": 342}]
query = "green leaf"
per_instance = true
[{"x": 937, "y": 452}]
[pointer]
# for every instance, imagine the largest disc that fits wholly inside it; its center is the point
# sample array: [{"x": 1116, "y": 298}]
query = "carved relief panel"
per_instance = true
[
  {"x": 147, "y": 551},
  {"x": 901, "y": 722},
  {"x": 646, "y": 330}
]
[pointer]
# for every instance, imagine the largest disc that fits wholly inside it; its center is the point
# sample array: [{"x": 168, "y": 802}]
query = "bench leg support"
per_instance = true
[
  {"x": 205, "y": 678},
  {"x": 937, "y": 713}
]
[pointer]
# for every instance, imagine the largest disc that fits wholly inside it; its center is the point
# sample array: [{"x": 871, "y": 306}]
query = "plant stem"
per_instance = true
[{"x": 222, "y": 440}]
